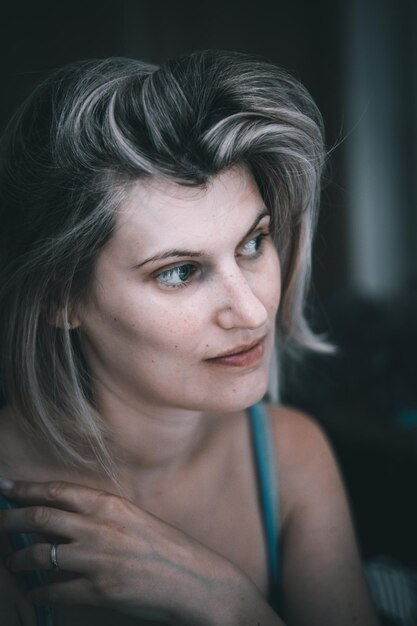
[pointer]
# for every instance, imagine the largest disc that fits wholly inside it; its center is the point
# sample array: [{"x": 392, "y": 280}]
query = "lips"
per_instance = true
[
  {"x": 241, "y": 356},
  {"x": 239, "y": 349}
]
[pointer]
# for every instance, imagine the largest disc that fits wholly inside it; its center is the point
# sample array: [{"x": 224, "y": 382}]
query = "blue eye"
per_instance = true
[
  {"x": 252, "y": 247},
  {"x": 177, "y": 276}
]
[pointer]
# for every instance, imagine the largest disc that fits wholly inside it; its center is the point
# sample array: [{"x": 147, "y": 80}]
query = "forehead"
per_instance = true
[{"x": 160, "y": 212}]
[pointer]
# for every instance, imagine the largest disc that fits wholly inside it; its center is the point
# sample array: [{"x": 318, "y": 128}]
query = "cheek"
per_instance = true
[
  {"x": 172, "y": 330},
  {"x": 132, "y": 313},
  {"x": 166, "y": 330}
]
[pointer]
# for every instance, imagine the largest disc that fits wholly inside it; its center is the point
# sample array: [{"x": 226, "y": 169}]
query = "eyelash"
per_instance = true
[
  {"x": 259, "y": 239},
  {"x": 176, "y": 269}
]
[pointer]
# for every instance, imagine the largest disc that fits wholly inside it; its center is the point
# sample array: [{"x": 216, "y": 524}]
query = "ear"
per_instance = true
[
  {"x": 68, "y": 322},
  {"x": 72, "y": 323},
  {"x": 62, "y": 318}
]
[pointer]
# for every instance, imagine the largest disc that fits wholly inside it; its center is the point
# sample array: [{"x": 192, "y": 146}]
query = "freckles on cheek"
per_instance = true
[
  {"x": 180, "y": 325},
  {"x": 178, "y": 334}
]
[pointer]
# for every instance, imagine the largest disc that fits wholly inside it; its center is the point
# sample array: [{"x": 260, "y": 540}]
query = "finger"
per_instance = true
[
  {"x": 59, "y": 494},
  {"x": 76, "y": 591},
  {"x": 68, "y": 557},
  {"x": 43, "y": 520}
]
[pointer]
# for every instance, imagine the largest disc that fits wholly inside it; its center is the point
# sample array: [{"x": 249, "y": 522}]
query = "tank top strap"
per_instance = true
[
  {"x": 33, "y": 578},
  {"x": 267, "y": 480}
]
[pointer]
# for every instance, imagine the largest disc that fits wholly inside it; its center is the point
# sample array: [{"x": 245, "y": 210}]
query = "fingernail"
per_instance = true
[{"x": 5, "y": 484}]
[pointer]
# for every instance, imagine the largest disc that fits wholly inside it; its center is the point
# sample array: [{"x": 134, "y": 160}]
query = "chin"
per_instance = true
[{"x": 237, "y": 395}]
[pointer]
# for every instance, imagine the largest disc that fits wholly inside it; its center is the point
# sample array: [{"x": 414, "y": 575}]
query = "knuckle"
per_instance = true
[
  {"x": 109, "y": 503},
  {"x": 98, "y": 584},
  {"x": 103, "y": 586},
  {"x": 38, "y": 516},
  {"x": 53, "y": 490}
]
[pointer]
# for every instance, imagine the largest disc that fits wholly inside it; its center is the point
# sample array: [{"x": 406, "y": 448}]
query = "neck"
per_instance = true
[
  {"x": 153, "y": 450},
  {"x": 151, "y": 442}
]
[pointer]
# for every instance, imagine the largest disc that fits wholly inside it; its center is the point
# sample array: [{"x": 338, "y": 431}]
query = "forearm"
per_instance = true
[{"x": 232, "y": 600}]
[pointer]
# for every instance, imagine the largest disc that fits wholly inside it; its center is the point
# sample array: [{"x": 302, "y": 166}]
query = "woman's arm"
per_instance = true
[
  {"x": 132, "y": 561},
  {"x": 129, "y": 560},
  {"x": 323, "y": 583}
]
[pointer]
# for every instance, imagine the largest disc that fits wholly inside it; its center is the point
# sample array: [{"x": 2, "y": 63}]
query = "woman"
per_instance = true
[{"x": 155, "y": 223}]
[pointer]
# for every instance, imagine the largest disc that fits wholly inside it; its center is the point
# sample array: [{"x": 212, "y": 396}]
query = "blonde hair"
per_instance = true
[{"x": 67, "y": 159}]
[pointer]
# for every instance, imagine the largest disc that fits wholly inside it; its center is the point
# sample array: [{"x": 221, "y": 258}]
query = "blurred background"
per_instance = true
[{"x": 358, "y": 58}]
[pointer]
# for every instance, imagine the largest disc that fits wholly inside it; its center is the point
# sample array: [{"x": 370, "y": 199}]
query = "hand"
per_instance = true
[{"x": 122, "y": 556}]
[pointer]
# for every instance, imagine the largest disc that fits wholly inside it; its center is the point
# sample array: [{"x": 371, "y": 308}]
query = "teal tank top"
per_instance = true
[
  {"x": 266, "y": 475},
  {"x": 265, "y": 464}
]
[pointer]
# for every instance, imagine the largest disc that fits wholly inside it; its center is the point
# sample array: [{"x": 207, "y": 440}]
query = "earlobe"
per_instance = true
[
  {"x": 62, "y": 319},
  {"x": 70, "y": 322},
  {"x": 70, "y": 325}
]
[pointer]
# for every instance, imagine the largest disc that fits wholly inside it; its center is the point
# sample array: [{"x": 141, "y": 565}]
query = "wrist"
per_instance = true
[
  {"x": 230, "y": 598},
  {"x": 211, "y": 596}
]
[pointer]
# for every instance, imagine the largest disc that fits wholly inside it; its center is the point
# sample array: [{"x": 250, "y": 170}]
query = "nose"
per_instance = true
[{"x": 240, "y": 307}]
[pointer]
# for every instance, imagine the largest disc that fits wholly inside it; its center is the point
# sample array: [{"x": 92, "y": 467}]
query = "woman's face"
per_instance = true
[{"x": 190, "y": 275}]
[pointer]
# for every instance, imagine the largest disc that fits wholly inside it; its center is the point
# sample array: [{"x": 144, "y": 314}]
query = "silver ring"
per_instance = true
[{"x": 54, "y": 556}]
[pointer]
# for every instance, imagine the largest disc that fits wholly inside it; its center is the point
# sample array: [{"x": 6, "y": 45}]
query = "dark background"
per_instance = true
[{"x": 359, "y": 60}]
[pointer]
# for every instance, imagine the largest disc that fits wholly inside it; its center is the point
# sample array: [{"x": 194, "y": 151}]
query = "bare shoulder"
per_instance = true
[
  {"x": 320, "y": 559},
  {"x": 307, "y": 465},
  {"x": 299, "y": 439}
]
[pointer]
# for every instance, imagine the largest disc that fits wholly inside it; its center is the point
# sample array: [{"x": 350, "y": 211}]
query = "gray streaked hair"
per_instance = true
[{"x": 68, "y": 158}]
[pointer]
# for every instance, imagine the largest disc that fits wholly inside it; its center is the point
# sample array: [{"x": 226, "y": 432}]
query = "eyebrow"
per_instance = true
[{"x": 167, "y": 254}]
